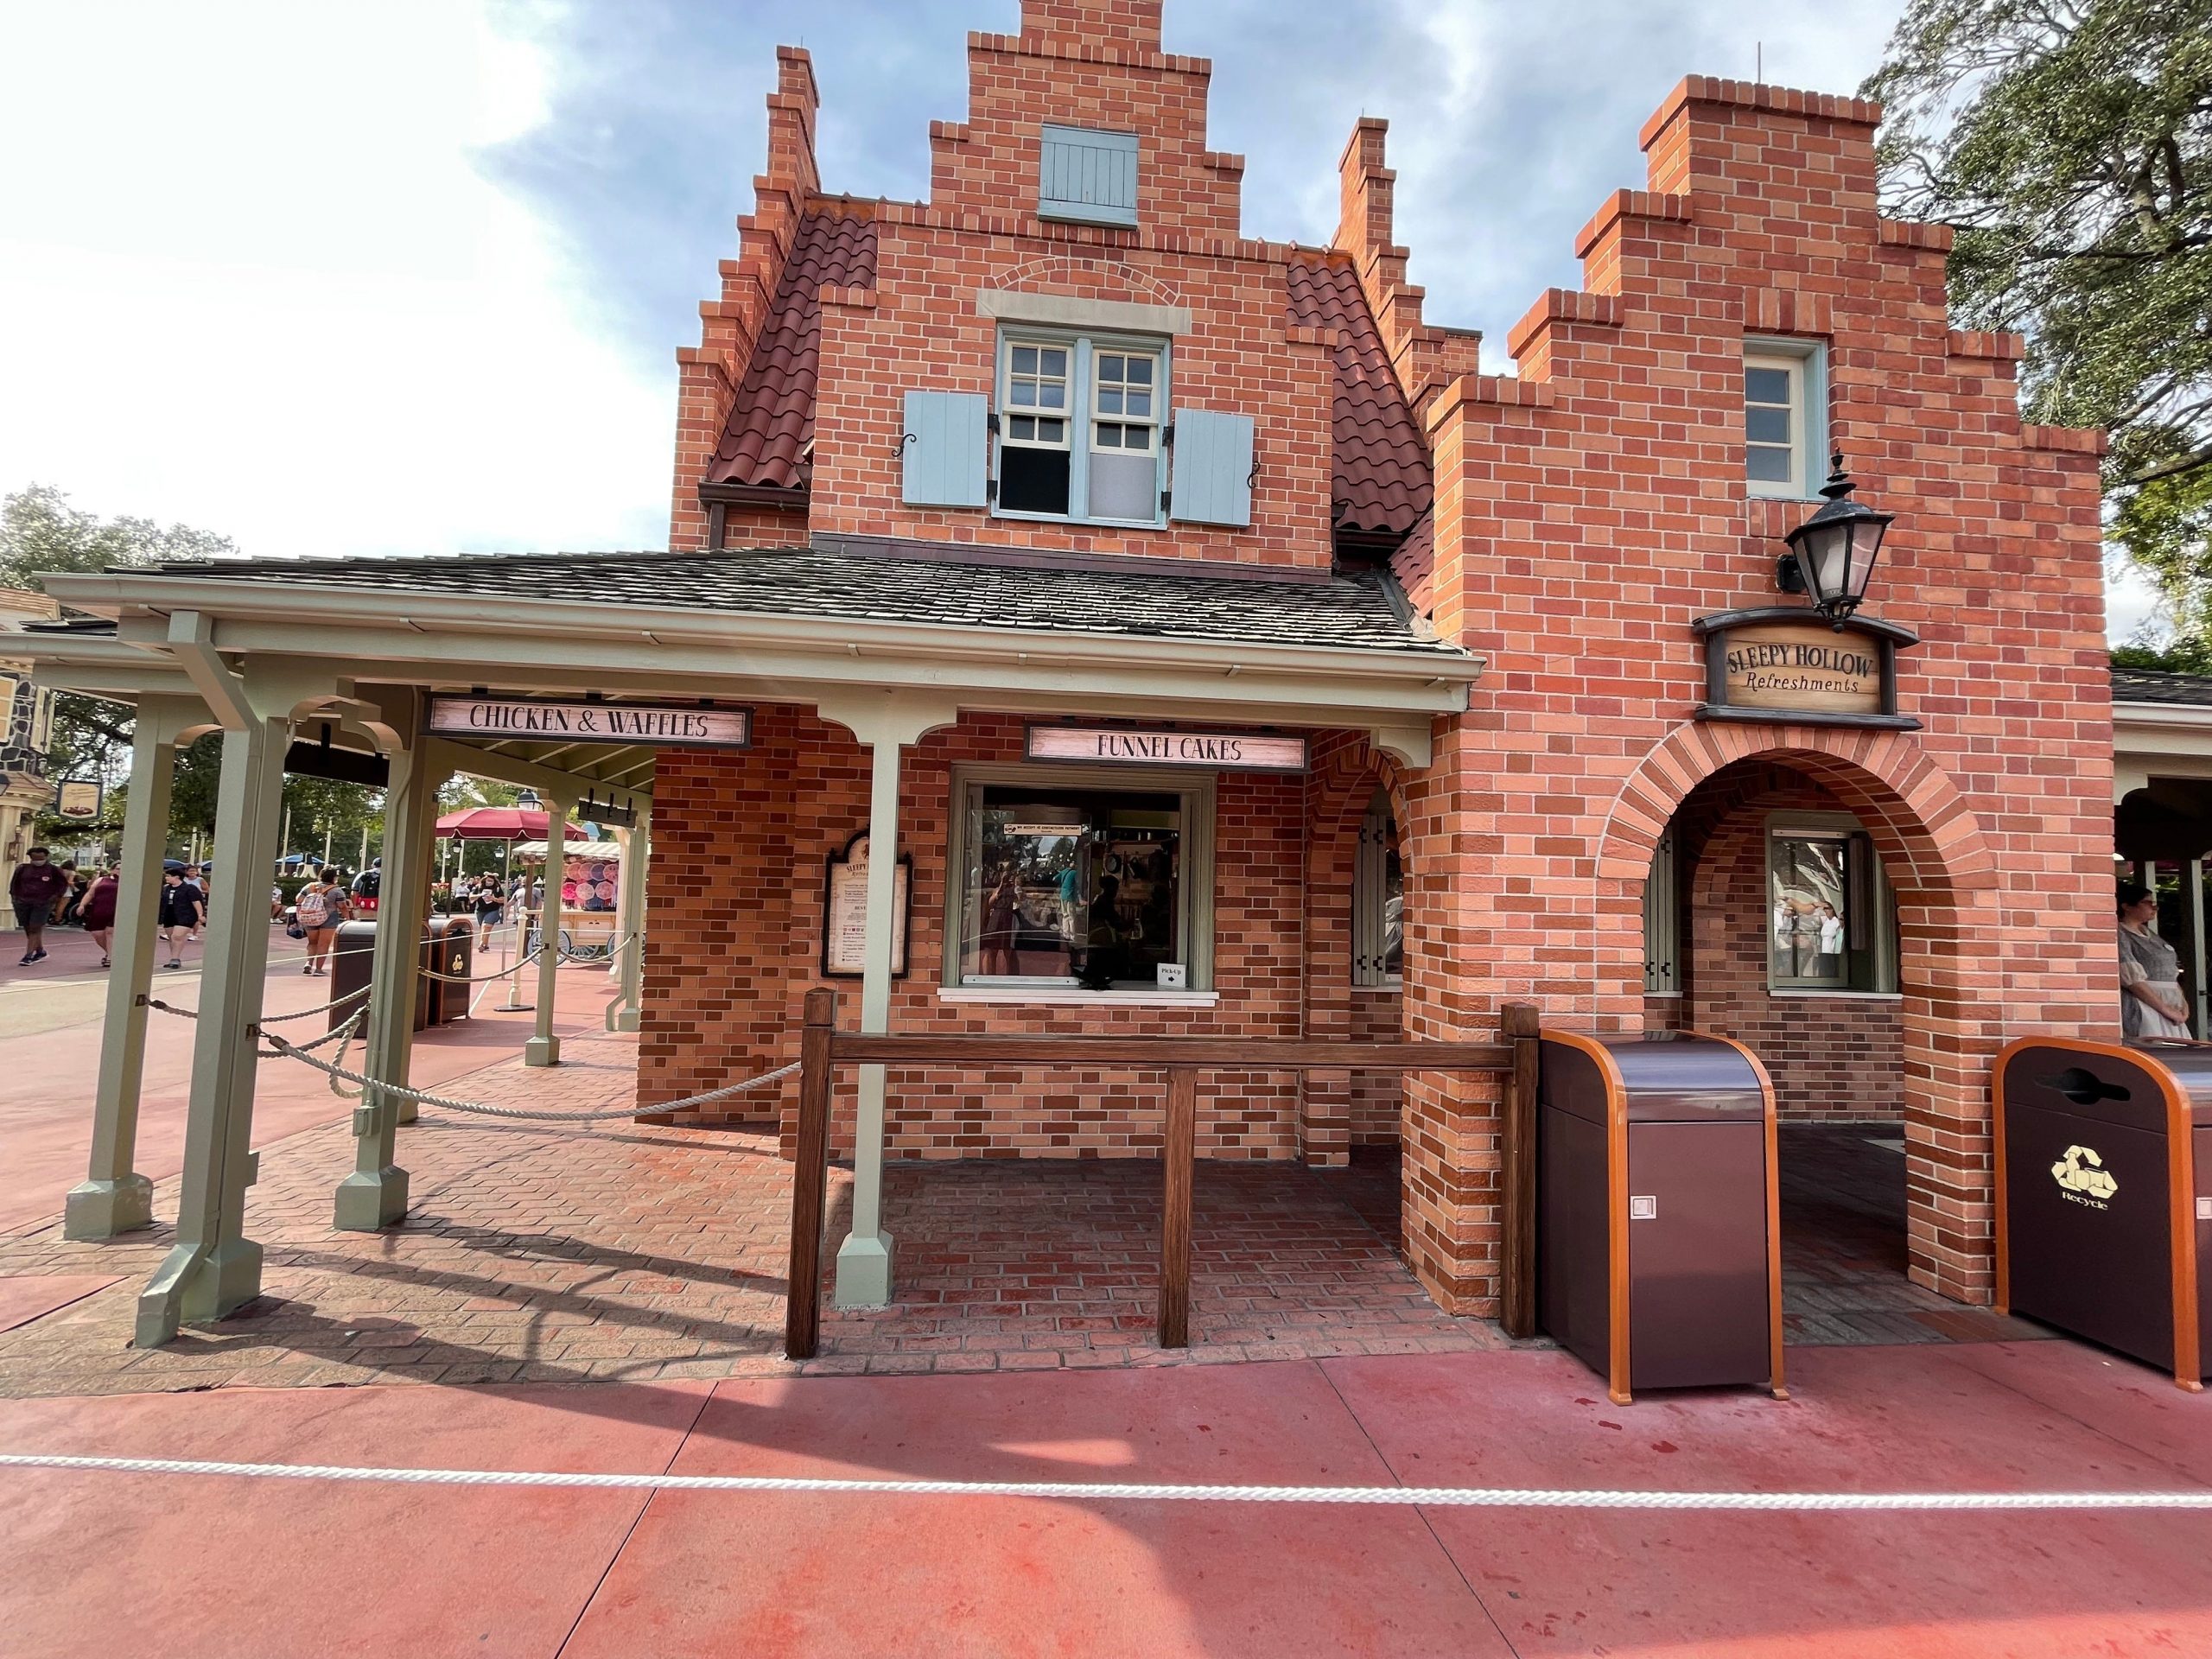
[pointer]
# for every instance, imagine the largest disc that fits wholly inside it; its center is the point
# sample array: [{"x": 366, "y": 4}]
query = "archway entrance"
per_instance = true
[{"x": 1812, "y": 899}]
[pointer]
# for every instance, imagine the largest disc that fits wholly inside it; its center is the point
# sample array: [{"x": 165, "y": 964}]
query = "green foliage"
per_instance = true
[
  {"x": 2182, "y": 656},
  {"x": 2068, "y": 143},
  {"x": 40, "y": 531}
]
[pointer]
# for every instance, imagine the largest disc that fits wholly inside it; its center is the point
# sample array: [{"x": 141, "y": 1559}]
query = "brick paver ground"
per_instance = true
[{"x": 635, "y": 1251}]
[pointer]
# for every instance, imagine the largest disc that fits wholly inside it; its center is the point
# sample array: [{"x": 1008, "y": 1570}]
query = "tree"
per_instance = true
[
  {"x": 40, "y": 532},
  {"x": 2068, "y": 144}
]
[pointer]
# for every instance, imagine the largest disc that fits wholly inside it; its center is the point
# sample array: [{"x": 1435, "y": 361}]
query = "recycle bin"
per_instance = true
[
  {"x": 2104, "y": 1195},
  {"x": 449, "y": 949},
  {"x": 1658, "y": 1258}
]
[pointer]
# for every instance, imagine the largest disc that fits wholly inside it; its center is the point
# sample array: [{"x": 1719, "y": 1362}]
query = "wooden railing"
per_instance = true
[{"x": 822, "y": 1048}]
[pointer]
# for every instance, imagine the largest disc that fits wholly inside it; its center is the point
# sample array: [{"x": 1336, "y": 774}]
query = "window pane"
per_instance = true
[
  {"x": 1053, "y": 395},
  {"x": 1055, "y": 361},
  {"x": 1052, "y": 431},
  {"x": 1124, "y": 486},
  {"x": 1024, "y": 393},
  {"x": 1109, "y": 436},
  {"x": 1766, "y": 385},
  {"x": 1136, "y": 437},
  {"x": 1022, "y": 426},
  {"x": 1139, "y": 372},
  {"x": 1769, "y": 466},
  {"x": 1139, "y": 403},
  {"x": 1110, "y": 368},
  {"x": 1033, "y": 480},
  {"x": 1806, "y": 926},
  {"x": 1110, "y": 400},
  {"x": 1025, "y": 360},
  {"x": 1764, "y": 425},
  {"x": 1071, "y": 886}
]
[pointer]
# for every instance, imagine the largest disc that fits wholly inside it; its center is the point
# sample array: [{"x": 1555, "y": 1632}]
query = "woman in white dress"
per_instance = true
[{"x": 2151, "y": 1003}]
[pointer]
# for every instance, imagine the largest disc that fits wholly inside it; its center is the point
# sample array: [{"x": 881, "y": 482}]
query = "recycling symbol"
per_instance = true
[{"x": 2082, "y": 1171}]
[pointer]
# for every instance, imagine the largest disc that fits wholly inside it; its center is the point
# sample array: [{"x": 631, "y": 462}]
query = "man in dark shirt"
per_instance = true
[{"x": 34, "y": 889}]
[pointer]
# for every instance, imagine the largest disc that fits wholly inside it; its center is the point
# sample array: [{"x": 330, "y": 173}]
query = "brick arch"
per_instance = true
[
  {"x": 1952, "y": 1012},
  {"x": 1342, "y": 781},
  {"x": 1069, "y": 269}
]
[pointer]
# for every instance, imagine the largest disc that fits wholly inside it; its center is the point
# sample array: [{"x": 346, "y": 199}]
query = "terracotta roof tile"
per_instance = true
[
  {"x": 1382, "y": 465},
  {"x": 771, "y": 431},
  {"x": 1413, "y": 562}
]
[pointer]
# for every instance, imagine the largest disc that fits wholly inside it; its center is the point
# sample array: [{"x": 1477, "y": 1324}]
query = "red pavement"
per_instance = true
[
  {"x": 45, "y": 1127},
  {"x": 101, "y": 1564}
]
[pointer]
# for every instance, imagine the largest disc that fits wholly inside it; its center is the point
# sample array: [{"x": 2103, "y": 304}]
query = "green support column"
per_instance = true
[
  {"x": 113, "y": 1198},
  {"x": 375, "y": 1195},
  {"x": 214, "y": 1267},
  {"x": 623, "y": 1013},
  {"x": 544, "y": 1048},
  {"x": 884, "y": 723}
]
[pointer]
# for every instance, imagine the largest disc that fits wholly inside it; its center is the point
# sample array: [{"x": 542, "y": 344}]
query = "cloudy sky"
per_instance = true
[{"x": 410, "y": 277}]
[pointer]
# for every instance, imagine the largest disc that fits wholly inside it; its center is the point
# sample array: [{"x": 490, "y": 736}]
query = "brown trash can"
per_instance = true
[
  {"x": 2104, "y": 1195},
  {"x": 353, "y": 957},
  {"x": 448, "y": 951},
  {"x": 1658, "y": 1247}
]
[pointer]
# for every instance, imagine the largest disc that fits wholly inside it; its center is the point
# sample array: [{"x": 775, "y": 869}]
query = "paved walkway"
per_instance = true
[{"x": 237, "y": 1568}]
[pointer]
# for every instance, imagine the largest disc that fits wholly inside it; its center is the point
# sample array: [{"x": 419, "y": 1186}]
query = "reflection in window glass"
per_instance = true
[
  {"x": 1071, "y": 887},
  {"x": 1806, "y": 926}
]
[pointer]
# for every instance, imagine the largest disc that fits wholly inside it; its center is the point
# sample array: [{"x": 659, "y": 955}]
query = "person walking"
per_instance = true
[
  {"x": 97, "y": 913},
  {"x": 65, "y": 914},
  {"x": 194, "y": 879},
  {"x": 36, "y": 886},
  {"x": 182, "y": 909},
  {"x": 318, "y": 910}
]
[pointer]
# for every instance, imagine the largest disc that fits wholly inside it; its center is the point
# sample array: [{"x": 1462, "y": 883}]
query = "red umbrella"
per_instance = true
[{"x": 494, "y": 824}]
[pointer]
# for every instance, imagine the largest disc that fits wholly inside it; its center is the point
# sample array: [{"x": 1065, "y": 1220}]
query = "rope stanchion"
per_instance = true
[
  {"x": 481, "y": 1109},
  {"x": 1488, "y": 1498}
]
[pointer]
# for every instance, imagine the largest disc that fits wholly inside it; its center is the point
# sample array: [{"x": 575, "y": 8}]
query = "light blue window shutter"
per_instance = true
[
  {"x": 945, "y": 449},
  {"x": 1088, "y": 176},
  {"x": 1213, "y": 481}
]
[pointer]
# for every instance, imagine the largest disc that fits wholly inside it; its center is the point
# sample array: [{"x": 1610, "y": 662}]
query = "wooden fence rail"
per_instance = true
[{"x": 822, "y": 1048}]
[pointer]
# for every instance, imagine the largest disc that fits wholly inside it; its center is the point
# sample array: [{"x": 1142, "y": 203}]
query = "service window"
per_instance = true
[
  {"x": 1081, "y": 426},
  {"x": 1831, "y": 922},
  {"x": 1096, "y": 884}
]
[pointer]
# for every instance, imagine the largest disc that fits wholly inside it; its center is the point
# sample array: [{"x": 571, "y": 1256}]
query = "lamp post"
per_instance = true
[{"x": 1832, "y": 554}]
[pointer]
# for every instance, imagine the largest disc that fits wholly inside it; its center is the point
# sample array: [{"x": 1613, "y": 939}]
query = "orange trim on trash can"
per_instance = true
[{"x": 1616, "y": 1374}]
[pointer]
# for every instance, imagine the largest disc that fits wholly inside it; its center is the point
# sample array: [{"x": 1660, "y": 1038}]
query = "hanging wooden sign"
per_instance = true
[
  {"x": 667, "y": 725},
  {"x": 1166, "y": 745},
  {"x": 78, "y": 800},
  {"x": 1783, "y": 664}
]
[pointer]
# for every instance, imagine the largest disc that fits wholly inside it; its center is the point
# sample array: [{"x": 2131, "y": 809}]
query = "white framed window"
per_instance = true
[
  {"x": 1107, "y": 391},
  {"x": 1087, "y": 878},
  {"x": 1663, "y": 949},
  {"x": 1378, "y": 896},
  {"x": 1831, "y": 919},
  {"x": 1785, "y": 417}
]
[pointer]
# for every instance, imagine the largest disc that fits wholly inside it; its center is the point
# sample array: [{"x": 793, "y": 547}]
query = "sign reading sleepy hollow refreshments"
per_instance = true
[
  {"x": 1783, "y": 664},
  {"x": 1163, "y": 746},
  {"x": 671, "y": 725}
]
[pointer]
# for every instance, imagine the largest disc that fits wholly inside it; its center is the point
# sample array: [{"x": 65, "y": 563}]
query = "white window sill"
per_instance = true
[
  {"x": 1072, "y": 996},
  {"x": 1851, "y": 997},
  {"x": 1676, "y": 995}
]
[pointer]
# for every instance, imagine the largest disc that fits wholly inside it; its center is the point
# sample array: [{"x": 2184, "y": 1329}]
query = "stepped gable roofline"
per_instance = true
[{"x": 848, "y": 579}]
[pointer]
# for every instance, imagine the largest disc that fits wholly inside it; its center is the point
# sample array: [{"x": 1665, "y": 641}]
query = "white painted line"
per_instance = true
[{"x": 1501, "y": 1497}]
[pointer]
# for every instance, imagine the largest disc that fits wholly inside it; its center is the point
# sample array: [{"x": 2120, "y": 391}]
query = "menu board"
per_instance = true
[{"x": 844, "y": 922}]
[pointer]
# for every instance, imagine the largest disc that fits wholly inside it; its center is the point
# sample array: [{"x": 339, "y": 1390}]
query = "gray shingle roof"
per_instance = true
[
  {"x": 2147, "y": 685},
  {"x": 1361, "y": 612}
]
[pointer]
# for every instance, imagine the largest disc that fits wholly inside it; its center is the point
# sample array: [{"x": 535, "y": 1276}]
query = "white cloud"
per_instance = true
[{"x": 252, "y": 282}]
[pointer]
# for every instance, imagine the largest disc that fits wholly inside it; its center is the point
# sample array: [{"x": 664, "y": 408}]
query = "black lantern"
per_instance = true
[{"x": 1833, "y": 553}]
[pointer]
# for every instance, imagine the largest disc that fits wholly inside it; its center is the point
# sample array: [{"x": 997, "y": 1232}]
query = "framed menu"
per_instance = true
[{"x": 844, "y": 910}]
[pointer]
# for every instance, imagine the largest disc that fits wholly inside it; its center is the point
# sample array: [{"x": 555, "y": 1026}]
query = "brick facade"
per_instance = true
[{"x": 1585, "y": 512}]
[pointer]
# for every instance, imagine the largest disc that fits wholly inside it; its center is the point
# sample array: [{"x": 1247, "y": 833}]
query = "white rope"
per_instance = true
[
  {"x": 482, "y": 1110},
  {"x": 1490, "y": 1497},
  {"x": 482, "y": 978},
  {"x": 339, "y": 1034}
]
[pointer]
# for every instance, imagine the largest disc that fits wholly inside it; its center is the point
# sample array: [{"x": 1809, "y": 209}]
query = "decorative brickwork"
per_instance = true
[{"x": 1587, "y": 514}]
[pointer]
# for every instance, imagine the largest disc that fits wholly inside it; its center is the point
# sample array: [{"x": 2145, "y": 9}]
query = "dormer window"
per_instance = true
[{"x": 1080, "y": 427}]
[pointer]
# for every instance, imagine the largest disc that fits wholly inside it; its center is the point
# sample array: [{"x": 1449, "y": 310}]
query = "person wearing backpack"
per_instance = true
[{"x": 318, "y": 910}]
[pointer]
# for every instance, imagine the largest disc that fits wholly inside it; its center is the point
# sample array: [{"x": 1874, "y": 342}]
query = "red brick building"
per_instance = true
[{"x": 1208, "y": 644}]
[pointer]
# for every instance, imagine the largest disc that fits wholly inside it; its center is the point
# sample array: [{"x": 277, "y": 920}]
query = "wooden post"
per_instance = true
[
  {"x": 809, "y": 1179},
  {"x": 1517, "y": 1174},
  {"x": 1177, "y": 1152}
]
